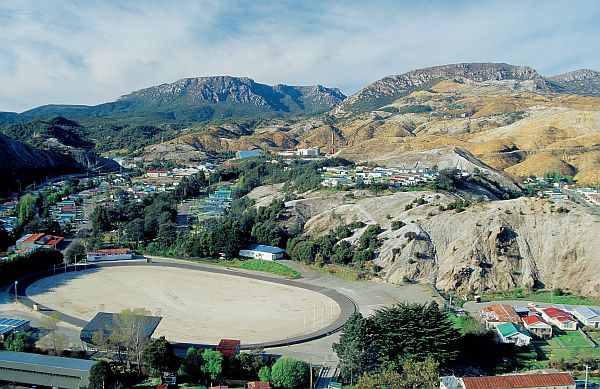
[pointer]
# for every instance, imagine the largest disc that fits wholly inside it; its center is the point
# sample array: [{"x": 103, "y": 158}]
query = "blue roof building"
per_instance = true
[{"x": 259, "y": 251}]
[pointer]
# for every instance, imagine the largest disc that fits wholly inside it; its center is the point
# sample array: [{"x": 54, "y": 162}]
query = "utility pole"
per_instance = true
[
  {"x": 311, "y": 374},
  {"x": 16, "y": 293},
  {"x": 586, "y": 376}
]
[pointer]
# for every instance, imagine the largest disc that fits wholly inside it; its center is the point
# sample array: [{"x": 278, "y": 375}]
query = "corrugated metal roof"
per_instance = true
[
  {"x": 8, "y": 324},
  {"x": 508, "y": 329},
  {"x": 105, "y": 322},
  {"x": 264, "y": 248},
  {"x": 519, "y": 381},
  {"x": 47, "y": 361}
]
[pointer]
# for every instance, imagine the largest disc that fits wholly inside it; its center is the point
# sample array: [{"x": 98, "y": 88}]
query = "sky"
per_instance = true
[{"x": 90, "y": 52}]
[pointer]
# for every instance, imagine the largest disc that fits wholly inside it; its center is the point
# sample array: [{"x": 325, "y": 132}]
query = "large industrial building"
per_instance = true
[{"x": 43, "y": 370}]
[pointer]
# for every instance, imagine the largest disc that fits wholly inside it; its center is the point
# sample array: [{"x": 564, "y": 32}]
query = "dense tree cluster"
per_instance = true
[
  {"x": 393, "y": 335},
  {"x": 332, "y": 248},
  {"x": 22, "y": 265}
]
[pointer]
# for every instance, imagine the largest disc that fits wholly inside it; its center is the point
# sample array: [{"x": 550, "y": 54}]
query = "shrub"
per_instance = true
[{"x": 397, "y": 224}]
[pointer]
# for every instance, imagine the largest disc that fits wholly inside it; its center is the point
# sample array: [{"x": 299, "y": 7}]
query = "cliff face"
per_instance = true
[{"x": 496, "y": 245}]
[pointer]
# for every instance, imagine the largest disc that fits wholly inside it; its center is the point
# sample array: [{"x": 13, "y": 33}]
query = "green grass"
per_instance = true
[
  {"x": 345, "y": 272},
  {"x": 572, "y": 339},
  {"x": 255, "y": 265},
  {"x": 267, "y": 266},
  {"x": 541, "y": 297}
]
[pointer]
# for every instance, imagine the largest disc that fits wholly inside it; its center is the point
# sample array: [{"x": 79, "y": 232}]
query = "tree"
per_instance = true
[
  {"x": 264, "y": 374},
  {"x": 159, "y": 356},
  {"x": 22, "y": 341},
  {"x": 290, "y": 373},
  {"x": 26, "y": 208},
  {"x": 213, "y": 364},
  {"x": 99, "y": 218},
  {"x": 75, "y": 249},
  {"x": 398, "y": 333},
  {"x": 53, "y": 340},
  {"x": 101, "y": 376},
  {"x": 129, "y": 333},
  {"x": 354, "y": 351},
  {"x": 192, "y": 365},
  {"x": 414, "y": 375}
]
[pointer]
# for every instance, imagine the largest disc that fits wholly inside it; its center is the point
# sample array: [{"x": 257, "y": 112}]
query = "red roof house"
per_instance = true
[
  {"x": 229, "y": 347},
  {"x": 521, "y": 381}
]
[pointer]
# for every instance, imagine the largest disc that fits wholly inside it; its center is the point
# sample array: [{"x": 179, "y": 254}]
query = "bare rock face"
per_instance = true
[
  {"x": 390, "y": 88},
  {"x": 583, "y": 82},
  {"x": 495, "y": 245}
]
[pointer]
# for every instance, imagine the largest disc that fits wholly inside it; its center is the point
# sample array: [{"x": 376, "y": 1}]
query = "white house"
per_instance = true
[
  {"x": 259, "y": 251},
  {"x": 509, "y": 333},
  {"x": 559, "y": 318},
  {"x": 537, "y": 326},
  {"x": 109, "y": 255},
  {"x": 309, "y": 152},
  {"x": 587, "y": 316}
]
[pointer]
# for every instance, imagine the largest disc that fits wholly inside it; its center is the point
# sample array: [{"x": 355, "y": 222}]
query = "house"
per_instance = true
[
  {"x": 157, "y": 173},
  {"x": 105, "y": 322},
  {"x": 587, "y": 316},
  {"x": 258, "y": 385},
  {"x": 259, "y": 251},
  {"x": 537, "y": 326},
  {"x": 242, "y": 154},
  {"x": 559, "y": 318},
  {"x": 229, "y": 347},
  {"x": 309, "y": 152},
  {"x": 513, "y": 381},
  {"x": 510, "y": 333},
  {"x": 9, "y": 325},
  {"x": 31, "y": 370},
  {"x": 109, "y": 255},
  {"x": 496, "y": 314},
  {"x": 40, "y": 240}
]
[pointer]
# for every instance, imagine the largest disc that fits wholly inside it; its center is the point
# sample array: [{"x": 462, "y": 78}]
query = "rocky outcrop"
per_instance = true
[
  {"x": 496, "y": 245},
  {"x": 582, "y": 82},
  {"x": 390, "y": 88}
]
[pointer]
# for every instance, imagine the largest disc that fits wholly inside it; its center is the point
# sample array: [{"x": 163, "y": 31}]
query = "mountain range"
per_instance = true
[
  {"x": 509, "y": 116},
  {"x": 199, "y": 99}
]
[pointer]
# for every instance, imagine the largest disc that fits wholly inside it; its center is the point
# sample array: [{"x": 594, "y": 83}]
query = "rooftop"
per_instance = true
[
  {"x": 8, "y": 324},
  {"x": 508, "y": 329},
  {"x": 264, "y": 248},
  {"x": 46, "y": 360},
  {"x": 557, "y": 314},
  {"x": 533, "y": 319},
  {"x": 105, "y": 322},
  {"x": 109, "y": 251},
  {"x": 519, "y": 381}
]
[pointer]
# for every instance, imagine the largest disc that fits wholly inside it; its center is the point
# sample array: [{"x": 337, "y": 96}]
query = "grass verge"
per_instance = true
[{"x": 545, "y": 296}]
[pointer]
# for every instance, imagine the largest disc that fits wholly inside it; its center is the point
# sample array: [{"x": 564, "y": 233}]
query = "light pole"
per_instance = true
[
  {"x": 16, "y": 293},
  {"x": 586, "y": 375}
]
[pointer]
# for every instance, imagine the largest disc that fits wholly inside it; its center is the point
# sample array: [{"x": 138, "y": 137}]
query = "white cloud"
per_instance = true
[{"x": 91, "y": 52}]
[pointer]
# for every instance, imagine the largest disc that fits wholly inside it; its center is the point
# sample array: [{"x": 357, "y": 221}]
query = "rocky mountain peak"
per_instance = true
[
  {"x": 392, "y": 87},
  {"x": 582, "y": 81}
]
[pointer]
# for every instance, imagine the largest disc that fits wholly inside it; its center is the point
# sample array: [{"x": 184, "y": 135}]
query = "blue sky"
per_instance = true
[{"x": 89, "y": 52}]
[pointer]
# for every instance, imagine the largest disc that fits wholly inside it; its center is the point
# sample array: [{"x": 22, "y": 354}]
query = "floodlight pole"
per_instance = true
[
  {"x": 586, "y": 376},
  {"x": 16, "y": 293}
]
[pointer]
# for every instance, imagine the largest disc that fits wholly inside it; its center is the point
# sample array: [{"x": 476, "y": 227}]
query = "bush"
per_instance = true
[
  {"x": 410, "y": 235},
  {"x": 397, "y": 224},
  {"x": 290, "y": 373}
]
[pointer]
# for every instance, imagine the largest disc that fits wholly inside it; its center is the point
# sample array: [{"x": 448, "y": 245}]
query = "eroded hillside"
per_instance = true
[{"x": 500, "y": 245}]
